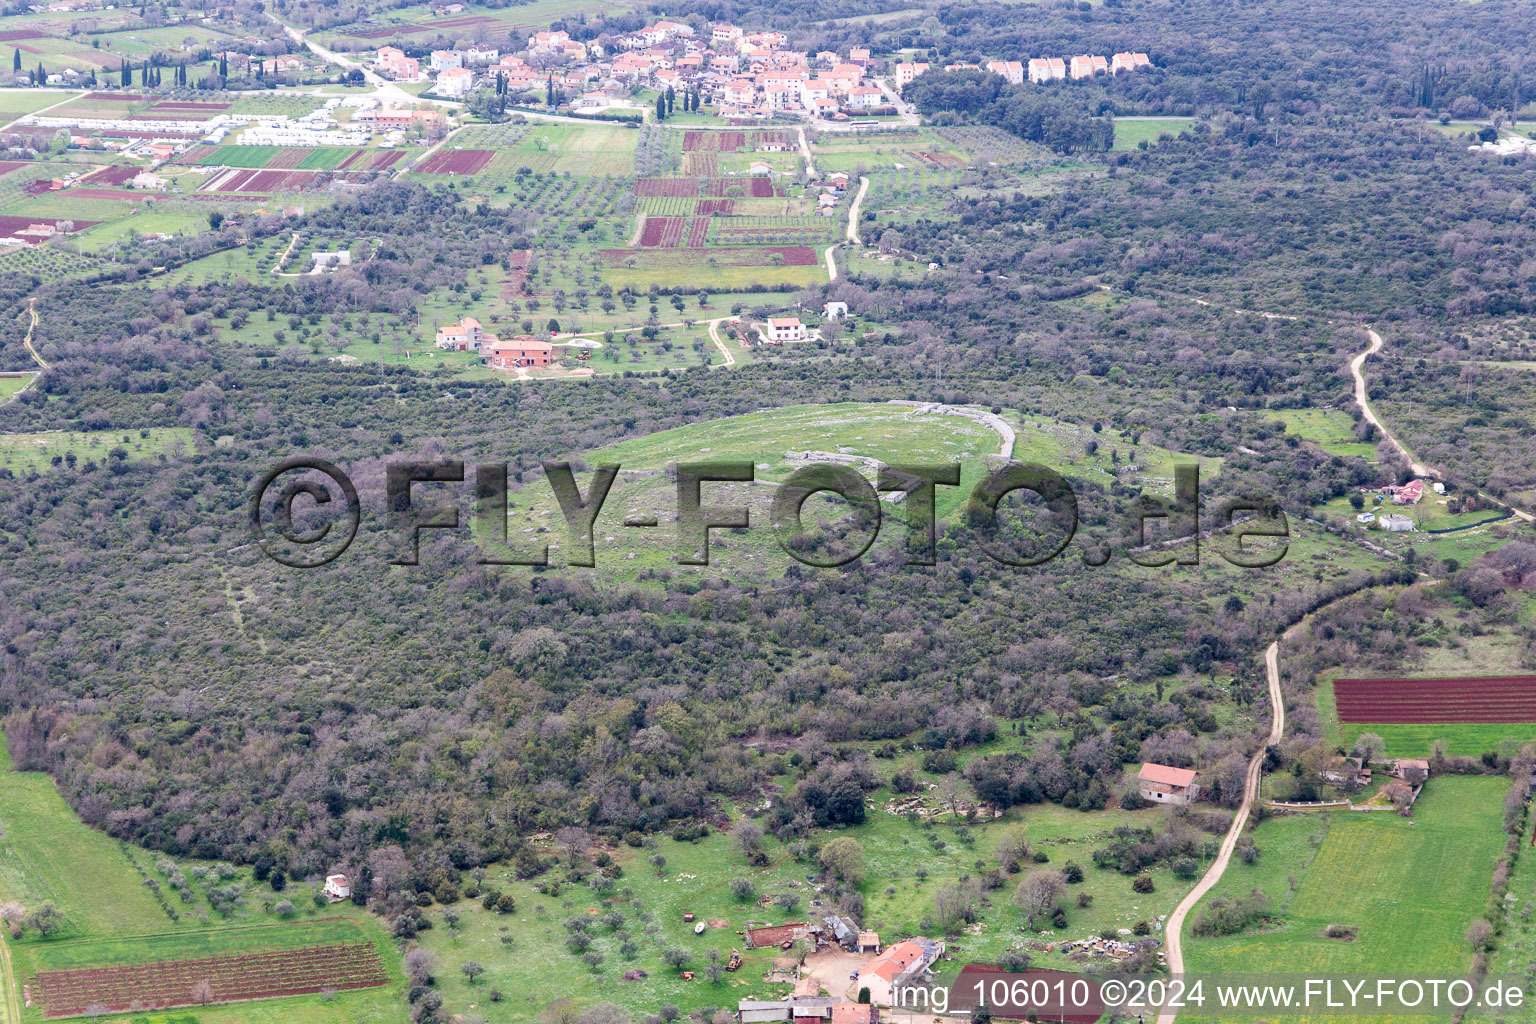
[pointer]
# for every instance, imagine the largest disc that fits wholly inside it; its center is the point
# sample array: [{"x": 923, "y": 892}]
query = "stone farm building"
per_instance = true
[{"x": 1165, "y": 785}]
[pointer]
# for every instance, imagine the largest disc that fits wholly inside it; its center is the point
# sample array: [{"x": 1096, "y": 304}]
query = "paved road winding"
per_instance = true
[{"x": 1174, "y": 926}]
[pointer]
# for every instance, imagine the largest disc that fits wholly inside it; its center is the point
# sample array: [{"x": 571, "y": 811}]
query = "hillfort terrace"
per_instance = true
[{"x": 1052, "y": 514}]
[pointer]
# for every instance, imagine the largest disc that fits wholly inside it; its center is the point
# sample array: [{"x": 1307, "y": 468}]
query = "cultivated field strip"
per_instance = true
[
  {"x": 1487, "y": 699},
  {"x": 228, "y": 979}
]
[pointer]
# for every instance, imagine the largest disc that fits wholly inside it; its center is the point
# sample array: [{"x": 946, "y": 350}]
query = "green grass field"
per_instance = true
[
  {"x": 16, "y": 103},
  {"x": 1411, "y": 887},
  {"x": 46, "y": 854},
  {"x": 140, "y": 223},
  {"x": 1332, "y": 430},
  {"x": 584, "y": 149},
  {"x": 27, "y": 452},
  {"x": 1518, "y": 941},
  {"x": 1130, "y": 134},
  {"x": 879, "y": 431},
  {"x": 241, "y": 156},
  {"x": 9, "y": 386},
  {"x": 888, "y": 433}
]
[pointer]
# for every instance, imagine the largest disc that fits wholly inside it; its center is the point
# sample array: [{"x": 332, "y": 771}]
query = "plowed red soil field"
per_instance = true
[
  {"x": 1483, "y": 699},
  {"x": 455, "y": 161},
  {"x": 246, "y": 180},
  {"x": 665, "y": 232},
  {"x": 114, "y": 175},
  {"x": 713, "y": 142}
]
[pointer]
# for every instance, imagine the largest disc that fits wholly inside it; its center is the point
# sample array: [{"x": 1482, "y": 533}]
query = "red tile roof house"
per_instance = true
[
  {"x": 902, "y": 964},
  {"x": 1165, "y": 785},
  {"x": 1047, "y": 69},
  {"x": 464, "y": 336}
]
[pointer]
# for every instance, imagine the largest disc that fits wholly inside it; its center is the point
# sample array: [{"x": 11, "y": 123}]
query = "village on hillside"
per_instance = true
[{"x": 751, "y": 76}]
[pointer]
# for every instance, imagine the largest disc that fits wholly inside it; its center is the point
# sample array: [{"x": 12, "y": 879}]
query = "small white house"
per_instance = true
[
  {"x": 338, "y": 888},
  {"x": 1396, "y": 523},
  {"x": 834, "y": 310},
  {"x": 341, "y": 258}
]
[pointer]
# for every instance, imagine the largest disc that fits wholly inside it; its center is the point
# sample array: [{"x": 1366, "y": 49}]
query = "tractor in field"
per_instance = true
[{"x": 734, "y": 962}]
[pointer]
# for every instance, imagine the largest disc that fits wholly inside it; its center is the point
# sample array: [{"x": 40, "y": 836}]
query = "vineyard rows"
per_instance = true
[
  {"x": 219, "y": 979},
  {"x": 1486, "y": 699}
]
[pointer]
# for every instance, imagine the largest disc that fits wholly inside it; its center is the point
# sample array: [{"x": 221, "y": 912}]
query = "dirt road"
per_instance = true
[
  {"x": 1362, "y": 401},
  {"x": 1173, "y": 928},
  {"x": 714, "y": 336},
  {"x": 852, "y": 232},
  {"x": 10, "y": 1005},
  {"x": 853, "y": 211},
  {"x": 32, "y": 311}
]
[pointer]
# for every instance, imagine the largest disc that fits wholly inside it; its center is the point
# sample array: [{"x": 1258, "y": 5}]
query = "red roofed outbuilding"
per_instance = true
[{"x": 1163, "y": 784}]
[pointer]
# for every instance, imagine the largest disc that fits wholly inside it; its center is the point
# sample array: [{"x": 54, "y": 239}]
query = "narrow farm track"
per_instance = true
[
  {"x": 1363, "y": 403},
  {"x": 10, "y": 1006},
  {"x": 32, "y": 310},
  {"x": 714, "y": 335},
  {"x": 853, "y": 211},
  {"x": 282, "y": 261},
  {"x": 1362, "y": 400},
  {"x": 1175, "y": 924}
]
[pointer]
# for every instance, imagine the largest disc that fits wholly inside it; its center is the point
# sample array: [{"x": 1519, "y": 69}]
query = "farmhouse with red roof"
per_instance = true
[
  {"x": 1167, "y": 785},
  {"x": 903, "y": 964}
]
